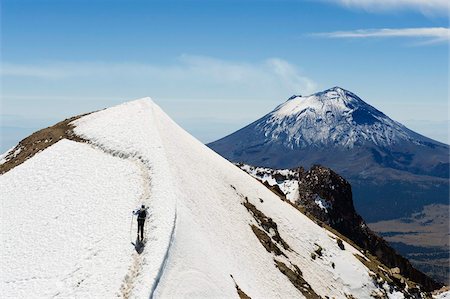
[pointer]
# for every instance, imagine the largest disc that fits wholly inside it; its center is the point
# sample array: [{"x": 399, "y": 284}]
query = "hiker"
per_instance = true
[{"x": 142, "y": 214}]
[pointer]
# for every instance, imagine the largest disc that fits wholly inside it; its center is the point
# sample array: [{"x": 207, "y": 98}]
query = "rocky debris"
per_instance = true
[
  {"x": 266, "y": 241},
  {"x": 340, "y": 244},
  {"x": 318, "y": 249},
  {"x": 326, "y": 197},
  {"x": 442, "y": 293},
  {"x": 395, "y": 270},
  {"x": 269, "y": 237},
  {"x": 241, "y": 293},
  {"x": 266, "y": 223},
  {"x": 295, "y": 276},
  {"x": 275, "y": 189}
]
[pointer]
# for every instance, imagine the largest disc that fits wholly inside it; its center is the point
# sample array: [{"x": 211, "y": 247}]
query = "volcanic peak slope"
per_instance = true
[
  {"x": 334, "y": 117},
  {"x": 337, "y": 129},
  {"x": 213, "y": 230}
]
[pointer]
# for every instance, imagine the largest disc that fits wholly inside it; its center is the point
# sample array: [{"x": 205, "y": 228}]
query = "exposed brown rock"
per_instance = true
[
  {"x": 275, "y": 189},
  {"x": 266, "y": 223},
  {"x": 39, "y": 141},
  {"x": 296, "y": 278},
  {"x": 266, "y": 241},
  {"x": 240, "y": 292}
]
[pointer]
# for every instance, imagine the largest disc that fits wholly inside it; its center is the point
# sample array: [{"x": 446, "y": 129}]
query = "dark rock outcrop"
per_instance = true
[{"x": 328, "y": 197}]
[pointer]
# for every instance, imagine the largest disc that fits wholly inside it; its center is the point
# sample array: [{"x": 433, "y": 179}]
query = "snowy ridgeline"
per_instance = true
[{"x": 67, "y": 211}]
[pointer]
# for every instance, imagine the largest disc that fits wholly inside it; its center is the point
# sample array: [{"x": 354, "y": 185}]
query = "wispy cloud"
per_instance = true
[
  {"x": 195, "y": 75},
  {"x": 192, "y": 88},
  {"x": 430, "y": 35},
  {"x": 440, "y": 7}
]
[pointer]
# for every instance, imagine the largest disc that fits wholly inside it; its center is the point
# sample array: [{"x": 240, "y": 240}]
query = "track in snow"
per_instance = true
[{"x": 135, "y": 268}]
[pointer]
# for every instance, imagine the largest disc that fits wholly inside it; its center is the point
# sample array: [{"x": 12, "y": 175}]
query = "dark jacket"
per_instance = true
[{"x": 142, "y": 214}]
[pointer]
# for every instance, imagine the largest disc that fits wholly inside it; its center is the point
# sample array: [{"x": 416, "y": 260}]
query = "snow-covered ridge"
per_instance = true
[
  {"x": 200, "y": 232},
  {"x": 332, "y": 117}
]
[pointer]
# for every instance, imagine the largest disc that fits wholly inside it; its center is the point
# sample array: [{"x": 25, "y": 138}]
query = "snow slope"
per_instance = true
[
  {"x": 443, "y": 295},
  {"x": 65, "y": 223},
  {"x": 68, "y": 210}
]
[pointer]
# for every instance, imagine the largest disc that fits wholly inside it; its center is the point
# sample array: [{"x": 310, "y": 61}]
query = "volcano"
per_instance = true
[{"x": 337, "y": 129}]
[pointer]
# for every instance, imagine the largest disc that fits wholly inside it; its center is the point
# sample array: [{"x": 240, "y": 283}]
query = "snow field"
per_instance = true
[{"x": 65, "y": 223}]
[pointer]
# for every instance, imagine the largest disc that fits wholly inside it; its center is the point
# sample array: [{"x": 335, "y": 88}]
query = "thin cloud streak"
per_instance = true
[
  {"x": 432, "y": 34},
  {"x": 428, "y": 7},
  {"x": 207, "y": 74}
]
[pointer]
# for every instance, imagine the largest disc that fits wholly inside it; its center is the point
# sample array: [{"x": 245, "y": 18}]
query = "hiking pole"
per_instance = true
[{"x": 131, "y": 226}]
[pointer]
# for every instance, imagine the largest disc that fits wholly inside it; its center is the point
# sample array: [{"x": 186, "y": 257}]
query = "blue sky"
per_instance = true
[{"x": 215, "y": 66}]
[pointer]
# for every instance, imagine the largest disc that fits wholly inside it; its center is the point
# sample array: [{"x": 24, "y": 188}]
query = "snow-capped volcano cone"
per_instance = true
[
  {"x": 212, "y": 231},
  {"x": 334, "y": 117}
]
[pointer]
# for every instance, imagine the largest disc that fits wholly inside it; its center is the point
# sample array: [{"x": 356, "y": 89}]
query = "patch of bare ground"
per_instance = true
[
  {"x": 266, "y": 241},
  {"x": 240, "y": 292},
  {"x": 269, "y": 237},
  {"x": 296, "y": 278},
  {"x": 266, "y": 223},
  {"x": 39, "y": 141}
]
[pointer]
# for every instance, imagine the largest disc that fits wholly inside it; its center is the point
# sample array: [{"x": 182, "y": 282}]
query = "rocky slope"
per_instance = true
[
  {"x": 327, "y": 197},
  {"x": 337, "y": 211}
]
